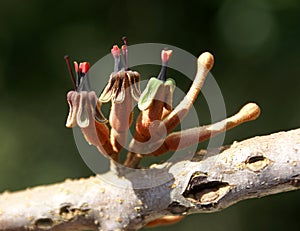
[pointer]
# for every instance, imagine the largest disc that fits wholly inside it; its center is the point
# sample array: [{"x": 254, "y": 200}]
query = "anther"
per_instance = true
[
  {"x": 125, "y": 52},
  {"x": 165, "y": 56}
]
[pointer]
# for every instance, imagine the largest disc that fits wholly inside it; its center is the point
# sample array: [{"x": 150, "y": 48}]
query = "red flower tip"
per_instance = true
[
  {"x": 115, "y": 51},
  {"x": 166, "y": 55},
  {"x": 84, "y": 67}
]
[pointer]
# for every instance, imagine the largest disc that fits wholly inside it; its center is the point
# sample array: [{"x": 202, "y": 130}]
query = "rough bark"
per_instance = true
[{"x": 252, "y": 168}]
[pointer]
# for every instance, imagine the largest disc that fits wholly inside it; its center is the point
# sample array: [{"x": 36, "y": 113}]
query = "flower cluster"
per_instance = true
[{"x": 157, "y": 118}]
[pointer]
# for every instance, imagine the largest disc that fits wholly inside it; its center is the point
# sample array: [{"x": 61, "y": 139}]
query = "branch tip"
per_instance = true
[
  {"x": 250, "y": 111},
  {"x": 206, "y": 59}
]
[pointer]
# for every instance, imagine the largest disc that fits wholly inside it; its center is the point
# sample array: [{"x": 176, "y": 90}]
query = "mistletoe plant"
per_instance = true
[{"x": 157, "y": 117}]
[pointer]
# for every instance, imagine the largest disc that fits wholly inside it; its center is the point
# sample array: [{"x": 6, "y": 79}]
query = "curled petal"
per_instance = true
[
  {"x": 134, "y": 79},
  {"x": 72, "y": 98},
  {"x": 121, "y": 84},
  {"x": 98, "y": 113},
  {"x": 83, "y": 115},
  {"x": 95, "y": 107},
  {"x": 119, "y": 92},
  {"x": 149, "y": 93},
  {"x": 108, "y": 91},
  {"x": 84, "y": 108},
  {"x": 169, "y": 89},
  {"x": 171, "y": 82}
]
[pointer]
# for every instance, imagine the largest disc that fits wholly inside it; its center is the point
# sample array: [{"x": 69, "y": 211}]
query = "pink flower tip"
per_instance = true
[
  {"x": 166, "y": 55},
  {"x": 115, "y": 51}
]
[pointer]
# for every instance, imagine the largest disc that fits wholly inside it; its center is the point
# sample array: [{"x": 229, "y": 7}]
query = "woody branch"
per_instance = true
[{"x": 252, "y": 168}]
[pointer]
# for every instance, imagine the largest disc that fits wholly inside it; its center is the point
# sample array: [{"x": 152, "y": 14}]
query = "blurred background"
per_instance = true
[{"x": 256, "y": 49}]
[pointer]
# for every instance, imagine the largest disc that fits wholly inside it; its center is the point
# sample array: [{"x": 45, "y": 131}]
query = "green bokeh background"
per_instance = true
[{"x": 256, "y": 49}]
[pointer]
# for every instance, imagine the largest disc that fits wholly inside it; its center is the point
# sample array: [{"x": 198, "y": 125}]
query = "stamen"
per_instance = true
[
  {"x": 125, "y": 52},
  {"x": 115, "y": 51},
  {"x": 77, "y": 73},
  {"x": 67, "y": 58},
  {"x": 83, "y": 70},
  {"x": 124, "y": 40},
  {"x": 165, "y": 56}
]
